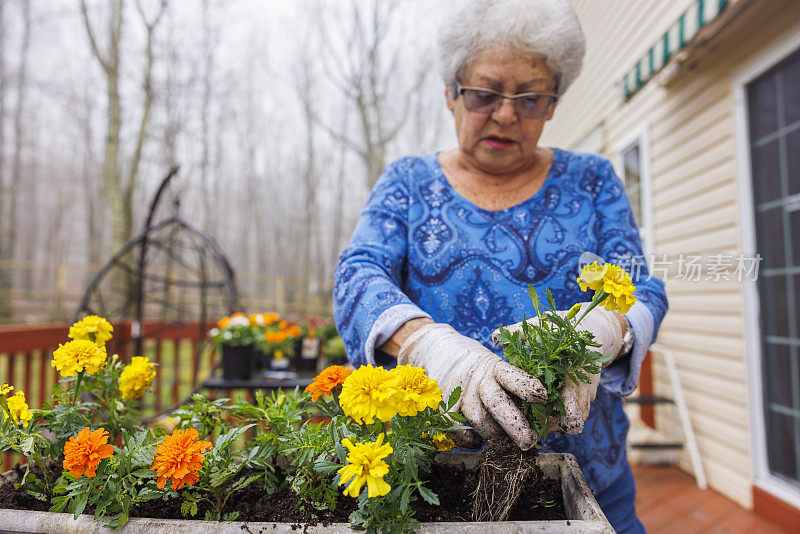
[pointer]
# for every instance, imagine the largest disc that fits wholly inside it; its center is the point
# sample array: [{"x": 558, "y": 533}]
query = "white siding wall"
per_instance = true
[{"x": 695, "y": 200}]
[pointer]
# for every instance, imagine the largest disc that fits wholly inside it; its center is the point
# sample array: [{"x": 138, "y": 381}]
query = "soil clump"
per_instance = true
[{"x": 503, "y": 472}]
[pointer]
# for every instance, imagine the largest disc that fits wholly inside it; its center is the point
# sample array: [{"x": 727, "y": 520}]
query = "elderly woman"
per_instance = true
[{"x": 448, "y": 243}]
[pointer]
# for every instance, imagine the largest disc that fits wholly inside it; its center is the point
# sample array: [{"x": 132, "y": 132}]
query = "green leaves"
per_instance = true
[
  {"x": 429, "y": 496},
  {"x": 554, "y": 351}
]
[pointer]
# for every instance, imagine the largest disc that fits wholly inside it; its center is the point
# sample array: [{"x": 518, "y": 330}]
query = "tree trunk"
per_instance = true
[
  {"x": 17, "y": 175},
  {"x": 5, "y": 267}
]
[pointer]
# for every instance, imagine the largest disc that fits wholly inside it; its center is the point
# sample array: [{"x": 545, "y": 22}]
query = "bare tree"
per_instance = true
[
  {"x": 5, "y": 272},
  {"x": 12, "y": 186},
  {"x": 109, "y": 61},
  {"x": 120, "y": 191},
  {"x": 208, "y": 46},
  {"x": 17, "y": 175},
  {"x": 304, "y": 87},
  {"x": 144, "y": 123},
  {"x": 365, "y": 68}
]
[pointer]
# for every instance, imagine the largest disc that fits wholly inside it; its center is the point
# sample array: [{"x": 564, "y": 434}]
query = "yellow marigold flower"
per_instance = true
[
  {"x": 591, "y": 276},
  {"x": 5, "y": 389},
  {"x": 19, "y": 408},
  {"x": 271, "y": 318},
  {"x": 93, "y": 328},
  {"x": 136, "y": 377},
  {"x": 365, "y": 464},
  {"x": 442, "y": 442},
  {"x": 325, "y": 382},
  {"x": 79, "y": 355},
  {"x": 415, "y": 390},
  {"x": 179, "y": 458},
  {"x": 82, "y": 455},
  {"x": 613, "y": 281},
  {"x": 369, "y": 392}
]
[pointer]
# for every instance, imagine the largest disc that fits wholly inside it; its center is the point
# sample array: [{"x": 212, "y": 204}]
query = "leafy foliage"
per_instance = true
[
  {"x": 553, "y": 350},
  {"x": 251, "y": 442}
]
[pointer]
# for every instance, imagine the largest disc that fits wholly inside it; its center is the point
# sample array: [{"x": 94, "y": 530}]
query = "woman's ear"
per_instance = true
[{"x": 449, "y": 95}]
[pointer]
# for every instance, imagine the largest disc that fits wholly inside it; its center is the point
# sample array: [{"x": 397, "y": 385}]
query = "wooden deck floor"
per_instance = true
[{"x": 669, "y": 502}]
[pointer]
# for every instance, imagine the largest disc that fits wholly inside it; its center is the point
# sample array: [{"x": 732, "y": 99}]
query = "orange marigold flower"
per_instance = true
[
  {"x": 327, "y": 380},
  {"x": 293, "y": 331},
  {"x": 224, "y": 322},
  {"x": 271, "y": 318},
  {"x": 180, "y": 457},
  {"x": 82, "y": 455},
  {"x": 275, "y": 337}
]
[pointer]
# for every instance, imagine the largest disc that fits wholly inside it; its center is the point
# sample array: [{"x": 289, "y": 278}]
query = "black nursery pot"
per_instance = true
[
  {"x": 237, "y": 362},
  {"x": 305, "y": 361}
]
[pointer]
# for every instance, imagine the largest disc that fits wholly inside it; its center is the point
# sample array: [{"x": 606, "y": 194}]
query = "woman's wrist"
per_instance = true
[{"x": 393, "y": 344}]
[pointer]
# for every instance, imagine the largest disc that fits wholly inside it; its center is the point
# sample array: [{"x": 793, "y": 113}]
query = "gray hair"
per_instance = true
[{"x": 546, "y": 28}]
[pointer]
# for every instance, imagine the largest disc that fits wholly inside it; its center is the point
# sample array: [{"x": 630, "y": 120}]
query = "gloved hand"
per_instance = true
[
  {"x": 578, "y": 396},
  {"x": 454, "y": 360}
]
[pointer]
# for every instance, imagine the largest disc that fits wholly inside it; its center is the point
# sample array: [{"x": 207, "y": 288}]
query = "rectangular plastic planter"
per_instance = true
[{"x": 583, "y": 513}]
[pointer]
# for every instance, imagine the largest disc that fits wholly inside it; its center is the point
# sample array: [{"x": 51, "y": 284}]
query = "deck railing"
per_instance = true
[{"x": 183, "y": 356}]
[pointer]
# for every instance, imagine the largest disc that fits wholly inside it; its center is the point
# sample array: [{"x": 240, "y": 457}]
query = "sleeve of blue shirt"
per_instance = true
[
  {"x": 369, "y": 304},
  {"x": 620, "y": 244}
]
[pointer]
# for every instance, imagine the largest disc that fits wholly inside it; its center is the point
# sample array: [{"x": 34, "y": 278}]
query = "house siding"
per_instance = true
[{"x": 695, "y": 200}]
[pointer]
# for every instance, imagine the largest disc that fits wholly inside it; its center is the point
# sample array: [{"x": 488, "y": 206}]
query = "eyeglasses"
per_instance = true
[{"x": 526, "y": 105}]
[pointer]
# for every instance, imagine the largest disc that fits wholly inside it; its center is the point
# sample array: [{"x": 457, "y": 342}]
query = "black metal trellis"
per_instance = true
[{"x": 170, "y": 272}]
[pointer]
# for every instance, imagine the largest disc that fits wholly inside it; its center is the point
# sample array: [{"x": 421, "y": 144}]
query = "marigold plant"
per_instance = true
[
  {"x": 83, "y": 454},
  {"x": 92, "y": 328},
  {"x": 136, "y": 377},
  {"x": 327, "y": 380},
  {"x": 19, "y": 408},
  {"x": 5, "y": 389},
  {"x": 555, "y": 350},
  {"x": 365, "y": 465},
  {"x": 369, "y": 392},
  {"x": 80, "y": 355},
  {"x": 179, "y": 458}
]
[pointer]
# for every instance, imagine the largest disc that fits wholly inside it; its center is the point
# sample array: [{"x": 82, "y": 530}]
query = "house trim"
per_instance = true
[
  {"x": 763, "y": 479},
  {"x": 640, "y": 135}
]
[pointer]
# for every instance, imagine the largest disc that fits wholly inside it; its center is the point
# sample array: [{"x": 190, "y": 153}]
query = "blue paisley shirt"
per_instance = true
[{"x": 420, "y": 249}]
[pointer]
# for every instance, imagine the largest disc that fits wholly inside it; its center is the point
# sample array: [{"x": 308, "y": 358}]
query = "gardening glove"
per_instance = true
[
  {"x": 455, "y": 361},
  {"x": 579, "y": 396}
]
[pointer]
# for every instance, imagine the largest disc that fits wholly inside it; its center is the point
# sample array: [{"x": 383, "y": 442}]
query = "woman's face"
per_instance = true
[{"x": 501, "y": 143}]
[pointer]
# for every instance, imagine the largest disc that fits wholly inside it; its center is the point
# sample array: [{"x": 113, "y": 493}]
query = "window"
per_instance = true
[
  {"x": 773, "y": 110},
  {"x": 634, "y": 170}
]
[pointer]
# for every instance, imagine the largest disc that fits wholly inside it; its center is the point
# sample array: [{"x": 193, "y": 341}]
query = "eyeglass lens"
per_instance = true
[{"x": 486, "y": 103}]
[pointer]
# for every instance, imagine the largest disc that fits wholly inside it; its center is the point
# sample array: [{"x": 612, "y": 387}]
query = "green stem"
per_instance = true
[
  {"x": 599, "y": 296},
  {"x": 77, "y": 387}
]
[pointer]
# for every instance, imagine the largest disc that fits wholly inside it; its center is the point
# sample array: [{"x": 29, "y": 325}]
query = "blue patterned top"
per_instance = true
[{"x": 420, "y": 249}]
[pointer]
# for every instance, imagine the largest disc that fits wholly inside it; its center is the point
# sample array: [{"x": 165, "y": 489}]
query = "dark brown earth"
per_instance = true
[
  {"x": 453, "y": 485},
  {"x": 17, "y": 499}
]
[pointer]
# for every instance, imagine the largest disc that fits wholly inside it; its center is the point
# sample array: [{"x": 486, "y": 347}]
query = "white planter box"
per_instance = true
[{"x": 583, "y": 513}]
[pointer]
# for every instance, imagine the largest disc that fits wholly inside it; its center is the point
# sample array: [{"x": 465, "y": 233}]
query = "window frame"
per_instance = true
[
  {"x": 761, "y": 63},
  {"x": 640, "y": 136}
]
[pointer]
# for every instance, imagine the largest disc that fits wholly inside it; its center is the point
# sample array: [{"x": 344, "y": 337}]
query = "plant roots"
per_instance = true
[{"x": 503, "y": 473}]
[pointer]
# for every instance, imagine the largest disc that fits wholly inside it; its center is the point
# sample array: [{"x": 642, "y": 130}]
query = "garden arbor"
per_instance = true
[{"x": 171, "y": 274}]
